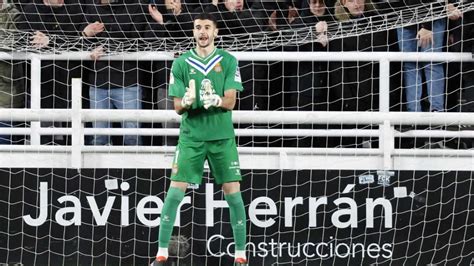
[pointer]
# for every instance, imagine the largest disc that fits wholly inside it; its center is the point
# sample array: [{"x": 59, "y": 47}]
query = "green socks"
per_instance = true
[
  {"x": 236, "y": 209},
  {"x": 237, "y": 219},
  {"x": 168, "y": 215}
]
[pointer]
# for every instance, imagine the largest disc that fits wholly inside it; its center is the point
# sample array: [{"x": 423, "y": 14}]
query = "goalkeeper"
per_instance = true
[{"x": 204, "y": 82}]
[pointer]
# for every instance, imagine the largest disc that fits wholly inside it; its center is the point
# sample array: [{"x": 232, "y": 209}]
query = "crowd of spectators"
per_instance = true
[{"x": 305, "y": 86}]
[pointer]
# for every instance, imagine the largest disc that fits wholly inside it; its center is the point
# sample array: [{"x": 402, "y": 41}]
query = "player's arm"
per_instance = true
[
  {"x": 177, "y": 106},
  {"x": 184, "y": 103},
  {"x": 228, "y": 101},
  {"x": 233, "y": 83}
]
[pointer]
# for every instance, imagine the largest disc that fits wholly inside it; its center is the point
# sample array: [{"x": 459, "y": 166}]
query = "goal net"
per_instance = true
[
  {"x": 298, "y": 217},
  {"x": 351, "y": 152}
]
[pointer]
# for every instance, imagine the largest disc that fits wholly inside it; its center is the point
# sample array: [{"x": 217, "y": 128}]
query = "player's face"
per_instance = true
[{"x": 204, "y": 32}]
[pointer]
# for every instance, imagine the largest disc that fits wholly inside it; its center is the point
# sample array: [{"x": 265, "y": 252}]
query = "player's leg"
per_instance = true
[
  {"x": 187, "y": 168},
  {"x": 224, "y": 163},
  {"x": 168, "y": 216},
  {"x": 237, "y": 219}
]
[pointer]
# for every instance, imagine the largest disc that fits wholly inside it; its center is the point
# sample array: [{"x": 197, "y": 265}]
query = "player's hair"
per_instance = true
[{"x": 206, "y": 16}]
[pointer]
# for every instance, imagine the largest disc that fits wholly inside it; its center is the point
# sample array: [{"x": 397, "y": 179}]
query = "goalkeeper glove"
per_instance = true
[
  {"x": 188, "y": 98},
  {"x": 211, "y": 100}
]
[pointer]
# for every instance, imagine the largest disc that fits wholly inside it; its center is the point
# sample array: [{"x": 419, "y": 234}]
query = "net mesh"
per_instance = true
[
  {"x": 385, "y": 19},
  {"x": 432, "y": 224}
]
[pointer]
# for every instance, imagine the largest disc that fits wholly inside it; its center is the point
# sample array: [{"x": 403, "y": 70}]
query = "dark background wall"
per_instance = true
[{"x": 435, "y": 225}]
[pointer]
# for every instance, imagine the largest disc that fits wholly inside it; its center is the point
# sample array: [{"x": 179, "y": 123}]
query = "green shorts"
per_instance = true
[{"x": 222, "y": 156}]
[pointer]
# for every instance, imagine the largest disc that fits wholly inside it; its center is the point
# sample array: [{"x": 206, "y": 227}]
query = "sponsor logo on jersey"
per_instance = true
[
  {"x": 237, "y": 75},
  {"x": 171, "y": 78},
  {"x": 206, "y": 88},
  {"x": 192, "y": 71},
  {"x": 234, "y": 165},
  {"x": 174, "y": 169}
]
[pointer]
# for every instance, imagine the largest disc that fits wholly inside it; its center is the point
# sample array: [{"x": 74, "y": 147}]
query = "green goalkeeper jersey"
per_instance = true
[{"x": 216, "y": 73}]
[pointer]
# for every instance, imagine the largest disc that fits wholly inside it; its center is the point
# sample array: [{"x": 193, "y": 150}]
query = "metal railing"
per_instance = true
[{"x": 384, "y": 118}]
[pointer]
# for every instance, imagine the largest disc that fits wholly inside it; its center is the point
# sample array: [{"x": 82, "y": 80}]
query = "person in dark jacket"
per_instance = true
[
  {"x": 461, "y": 83},
  {"x": 50, "y": 22},
  {"x": 177, "y": 17},
  {"x": 462, "y": 40},
  {"x": 115, "y": 84},
  {"x": 308, "y": 80},
  {"x": 197, "y": 4},
  {"x": 467, "y": 69},
  {"x": 307, "y": 89},
  {"x": 354, "y": 86},
  {"x": 12, "y": 73},
  {"x": 45, "y": 19},
  {"x": 235, "y": 17}
]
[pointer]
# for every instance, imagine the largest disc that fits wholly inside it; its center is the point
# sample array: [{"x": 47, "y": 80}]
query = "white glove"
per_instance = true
[
  {"x": 188, "y": 98},
  {"x": 211, "y": 100}
]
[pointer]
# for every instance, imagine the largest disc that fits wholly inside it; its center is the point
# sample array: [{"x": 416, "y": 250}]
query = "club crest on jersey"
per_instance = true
[{"x": 218, "y": 67}]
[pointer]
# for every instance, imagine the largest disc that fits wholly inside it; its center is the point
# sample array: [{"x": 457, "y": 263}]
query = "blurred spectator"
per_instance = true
[
  {"x": 20, "y": 4},
  {"x": 278, "y": 12},
  {"x": 177, "y": 17},
  {"x": 11, "y": 85},
  {"x": 235, "y": 17},
  {"x": 461, "y": 39},
  {"x": 308, "y": 80},
  {"x": 307, "y": 89},
  {"x": 197, "y": 4},
  {"x": 115, "y": 84},
  {"x": 424, "y": 37},
  {"x": 51, "y": 21},
  {"x": 355, "y": 85}
]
